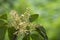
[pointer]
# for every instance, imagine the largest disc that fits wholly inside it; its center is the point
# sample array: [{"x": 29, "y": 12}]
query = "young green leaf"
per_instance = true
[{"x": 33, "y": 17}]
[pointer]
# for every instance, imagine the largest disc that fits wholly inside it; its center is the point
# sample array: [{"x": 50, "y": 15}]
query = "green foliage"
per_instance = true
[
  {"x": 2, "y": 32},
  {"x": 35, "y": 36},
  {"x": 33, "y": 17},
  {"x": 23, "y": 29},
  {"x": 47, "y": 12},
  {"x": 10, "y": 33},
  {"x": 3, "y": 26},
  {"x": 42, "y": 32}
]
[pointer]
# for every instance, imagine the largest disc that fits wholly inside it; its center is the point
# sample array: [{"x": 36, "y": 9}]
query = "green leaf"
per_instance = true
[
  {"x": 35, "y": 36},
  {"x": 2, "y": 23},
  {"x": 10, "y": 33},
  {"x": 41, "y": 30},
  {"x": 3, "y": 29},
  {"x": 33, "y": 17},
  {"x": 2, "y": 32},
  {"x": 3, "y": 16},
  {"x": 6, "y": 35},
  {"x": 3, "y": 19}
]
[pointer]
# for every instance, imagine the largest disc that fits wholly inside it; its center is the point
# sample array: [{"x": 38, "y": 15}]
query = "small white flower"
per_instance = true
[
  {"x": 21, "y": 23},
  {"x": 22, "y": 15}
]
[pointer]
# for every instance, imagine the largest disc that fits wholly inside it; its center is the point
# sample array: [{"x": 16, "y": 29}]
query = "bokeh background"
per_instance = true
[{"x": 48, "y": 10}]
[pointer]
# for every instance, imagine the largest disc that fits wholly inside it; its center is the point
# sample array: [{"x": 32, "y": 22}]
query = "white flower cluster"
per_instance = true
[{"x": 20, "y": 22}]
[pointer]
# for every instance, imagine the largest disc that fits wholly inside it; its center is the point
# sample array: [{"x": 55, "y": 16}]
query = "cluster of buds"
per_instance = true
[
  {"x": 24, "y": 26},
  {"x": 20, "y": 22}
]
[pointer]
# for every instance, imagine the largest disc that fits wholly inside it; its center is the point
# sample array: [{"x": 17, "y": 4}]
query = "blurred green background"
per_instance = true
[{"x": 48, "y": 10}]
